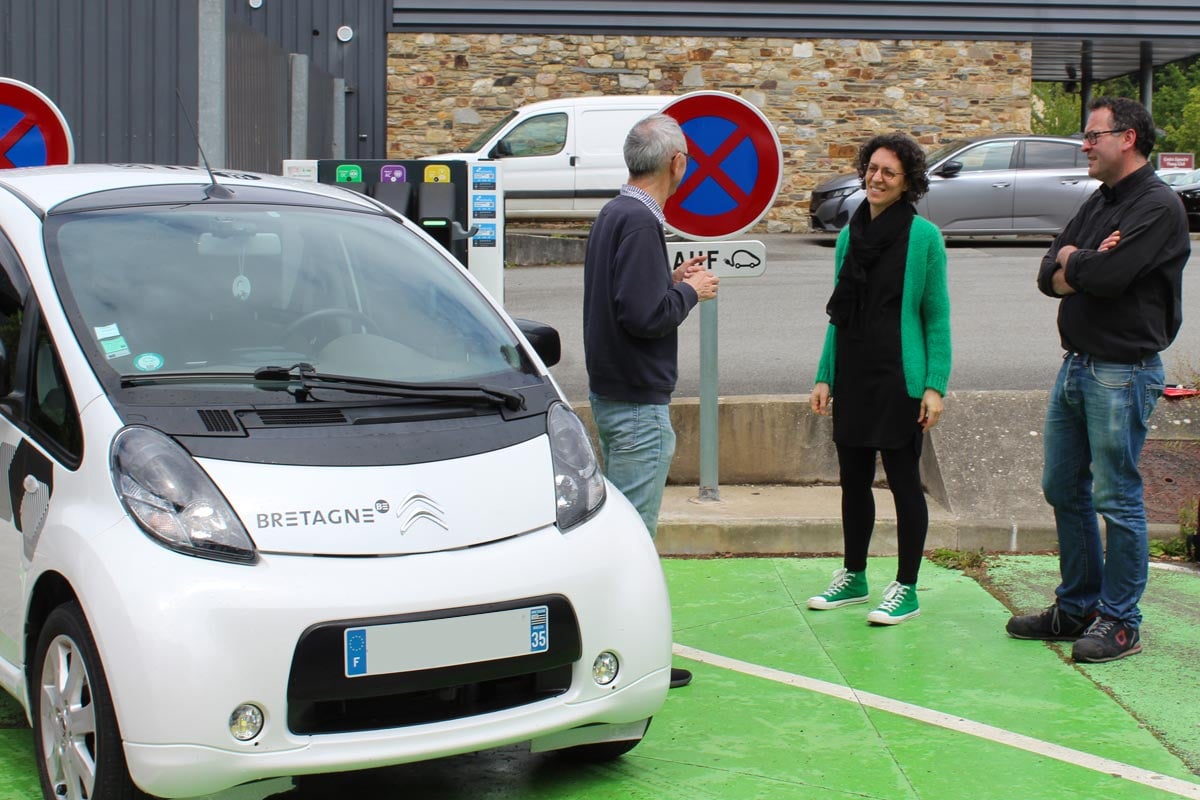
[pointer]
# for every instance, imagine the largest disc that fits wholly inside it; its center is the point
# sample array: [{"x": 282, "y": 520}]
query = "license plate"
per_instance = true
[{"x": 434, "y": 643}]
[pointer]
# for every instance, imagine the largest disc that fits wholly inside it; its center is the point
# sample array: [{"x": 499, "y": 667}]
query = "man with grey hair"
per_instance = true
[{"x": 633, "y": 304}]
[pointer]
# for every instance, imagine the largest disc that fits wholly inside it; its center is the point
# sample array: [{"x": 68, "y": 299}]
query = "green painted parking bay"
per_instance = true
[{"x": 792, "y": 703}]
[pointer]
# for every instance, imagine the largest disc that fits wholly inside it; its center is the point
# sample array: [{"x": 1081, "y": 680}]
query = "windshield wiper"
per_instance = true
[{"x": 309, "y": 379}]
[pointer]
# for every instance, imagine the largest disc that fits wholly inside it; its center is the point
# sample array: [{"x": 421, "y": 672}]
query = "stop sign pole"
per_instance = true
[{"x": 733, "y": 176}]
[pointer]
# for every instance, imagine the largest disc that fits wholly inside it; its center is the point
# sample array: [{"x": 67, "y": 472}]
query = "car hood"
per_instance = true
[
  {"x": 839, "y": 182},
  {"x": 391, "y": 510}
]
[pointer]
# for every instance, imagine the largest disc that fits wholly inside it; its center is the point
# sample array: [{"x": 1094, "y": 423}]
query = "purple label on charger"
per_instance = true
[{"x": 393, "y": 173}]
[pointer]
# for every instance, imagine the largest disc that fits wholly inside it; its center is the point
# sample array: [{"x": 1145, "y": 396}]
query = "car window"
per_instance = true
[
  {"x": 1053, "y": 155},
  {"x": 986, "y": 156},
  {"x": 543, "y": 135},
  {"x": 231, "y": 288},
  {"x": 11, "y": 318},
  {"x": 52, "y": 409}
]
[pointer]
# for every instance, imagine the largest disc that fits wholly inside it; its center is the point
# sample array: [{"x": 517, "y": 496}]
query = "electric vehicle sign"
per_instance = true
[{"x": 734, "y": 166}]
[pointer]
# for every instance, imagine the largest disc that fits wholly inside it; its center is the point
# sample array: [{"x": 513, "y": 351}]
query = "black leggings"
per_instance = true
[{"x": 902, "y": 468}]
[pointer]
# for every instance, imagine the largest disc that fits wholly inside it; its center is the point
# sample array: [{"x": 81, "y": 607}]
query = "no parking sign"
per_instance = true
[
  {"x": 734, "y": 166},
  {"x": 33, "y": 132}
]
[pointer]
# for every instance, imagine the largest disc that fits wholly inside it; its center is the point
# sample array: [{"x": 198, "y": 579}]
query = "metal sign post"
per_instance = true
[{"x": 733, "y": 176}]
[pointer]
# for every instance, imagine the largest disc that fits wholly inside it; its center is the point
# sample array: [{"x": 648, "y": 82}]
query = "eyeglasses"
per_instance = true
[
  {"x": 685, "y": 155},
  {"x": 1091, "y": 137},
  {"x": 888, "y": 174}
]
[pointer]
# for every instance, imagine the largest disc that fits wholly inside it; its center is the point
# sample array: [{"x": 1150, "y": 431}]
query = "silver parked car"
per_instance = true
[{"x": 1016, "y": 183}]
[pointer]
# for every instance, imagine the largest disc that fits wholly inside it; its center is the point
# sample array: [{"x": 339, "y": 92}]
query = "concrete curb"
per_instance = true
[{"x": 778, "y": 474}]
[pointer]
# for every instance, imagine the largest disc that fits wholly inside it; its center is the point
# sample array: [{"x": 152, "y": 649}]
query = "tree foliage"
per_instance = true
[{"x": 1176, "y": 105}]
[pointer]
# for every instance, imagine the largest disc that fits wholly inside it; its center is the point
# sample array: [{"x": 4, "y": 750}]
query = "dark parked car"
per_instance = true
[
  {"x": 1189, "y": 192},
  {"x": 1016, "y": 183}
]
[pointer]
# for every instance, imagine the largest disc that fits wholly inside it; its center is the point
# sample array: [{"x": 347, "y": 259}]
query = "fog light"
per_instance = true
[
  {"x": 246, "y": 722},
  {"x": 604, "y": 668}
]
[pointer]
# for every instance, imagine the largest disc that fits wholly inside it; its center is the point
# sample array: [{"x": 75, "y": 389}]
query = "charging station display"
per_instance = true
[{"x": 459, "y": 203}]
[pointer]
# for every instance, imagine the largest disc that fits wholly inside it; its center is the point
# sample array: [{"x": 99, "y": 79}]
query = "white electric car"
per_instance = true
[{"x": 286, "y": 492}]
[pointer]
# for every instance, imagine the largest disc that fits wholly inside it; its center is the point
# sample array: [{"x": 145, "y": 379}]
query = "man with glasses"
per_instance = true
[
  {"x": 633, "y": 303},
  {"x": 1117, "y": 272}
]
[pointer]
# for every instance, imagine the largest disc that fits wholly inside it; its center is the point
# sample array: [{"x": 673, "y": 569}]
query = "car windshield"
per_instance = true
[
  {"x": 484, "y": 137},
  {"x": 208, "y": 289},
  {"x": 945, "y": 150}
]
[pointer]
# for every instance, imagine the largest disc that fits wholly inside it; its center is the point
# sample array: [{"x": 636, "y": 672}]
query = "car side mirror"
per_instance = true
[
  {"x": 500, "y": 150},
  {"x": 950, "y": 168},
  {"x": 544, "y": 340}
]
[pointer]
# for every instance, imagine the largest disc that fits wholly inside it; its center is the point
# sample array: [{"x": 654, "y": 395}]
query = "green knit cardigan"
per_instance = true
[{"x": 924, "y": 313}]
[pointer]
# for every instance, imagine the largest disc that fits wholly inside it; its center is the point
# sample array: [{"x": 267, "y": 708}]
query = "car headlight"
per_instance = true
[
  {"x": 845, "y": 191},
  {"x": 1191, "y": 194},
  {"x": 578, "y": 482},
  {"x": 173, "y": 500}
]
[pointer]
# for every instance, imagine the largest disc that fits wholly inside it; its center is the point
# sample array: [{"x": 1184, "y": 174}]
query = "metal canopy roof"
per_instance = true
[{"x": 1059, "y": 30}]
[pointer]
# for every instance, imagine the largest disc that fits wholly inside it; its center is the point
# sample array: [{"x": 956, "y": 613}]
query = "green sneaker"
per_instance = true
[
  {"x": 846, "y": 588},
  {"x": 899, "y": 603}
]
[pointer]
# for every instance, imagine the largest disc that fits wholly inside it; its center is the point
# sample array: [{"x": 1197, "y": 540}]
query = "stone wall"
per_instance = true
[{"x": 824, "y": 97}]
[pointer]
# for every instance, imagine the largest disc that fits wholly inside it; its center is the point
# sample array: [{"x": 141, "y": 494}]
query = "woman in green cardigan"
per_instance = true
[{"x": 887, "y": 361}]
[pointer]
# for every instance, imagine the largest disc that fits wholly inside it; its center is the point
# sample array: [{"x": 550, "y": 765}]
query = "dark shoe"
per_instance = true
[
  {"x": 1052, "y": 625},
  {"x": 1107, "y": 640},
  {"x": 680, "y": 677}
]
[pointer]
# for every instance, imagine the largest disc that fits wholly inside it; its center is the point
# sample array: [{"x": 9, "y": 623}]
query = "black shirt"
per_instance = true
[{"x": 1129, "y": 300}]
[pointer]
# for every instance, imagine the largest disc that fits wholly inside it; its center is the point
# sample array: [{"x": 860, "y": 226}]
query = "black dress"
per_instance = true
[{"x": 872, "y": 407}]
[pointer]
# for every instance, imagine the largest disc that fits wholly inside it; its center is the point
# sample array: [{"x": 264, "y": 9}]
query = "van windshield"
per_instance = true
[
  {"x": 483, "y": 138},
  {"x": 227, "y": 289}
]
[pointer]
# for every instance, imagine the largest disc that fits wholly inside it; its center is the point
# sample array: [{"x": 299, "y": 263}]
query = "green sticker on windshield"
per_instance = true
[
  {"x": 148, "y": 362},
  {"x": 114, "y": 347}
]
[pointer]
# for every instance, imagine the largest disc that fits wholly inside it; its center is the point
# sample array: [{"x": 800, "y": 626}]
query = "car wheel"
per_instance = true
[
  {"x": 599, "y": 752},
  {"x": 76, "y": 737}
]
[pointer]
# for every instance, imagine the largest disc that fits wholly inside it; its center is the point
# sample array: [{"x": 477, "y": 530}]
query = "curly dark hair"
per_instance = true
[{"x": 912, "y": 158}]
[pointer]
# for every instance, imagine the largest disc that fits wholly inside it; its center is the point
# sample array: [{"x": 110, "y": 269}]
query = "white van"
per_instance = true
[{"x": 562, "y": 158}]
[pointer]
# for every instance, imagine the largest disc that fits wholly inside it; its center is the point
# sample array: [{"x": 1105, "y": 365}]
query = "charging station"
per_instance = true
[{"x": 459, "y": 203}]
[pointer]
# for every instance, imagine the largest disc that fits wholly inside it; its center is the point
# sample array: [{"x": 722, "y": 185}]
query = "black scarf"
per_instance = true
[{"x": 869, "y": 238}]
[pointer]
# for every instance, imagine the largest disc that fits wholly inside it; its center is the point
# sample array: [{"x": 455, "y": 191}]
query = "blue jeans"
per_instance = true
[
  {"x": 636, "y": 443},
  {"x": 1095, "y": 429}
]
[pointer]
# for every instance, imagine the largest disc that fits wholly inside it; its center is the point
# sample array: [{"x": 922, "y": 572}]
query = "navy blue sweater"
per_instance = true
[{"x": 631, "y": 306}]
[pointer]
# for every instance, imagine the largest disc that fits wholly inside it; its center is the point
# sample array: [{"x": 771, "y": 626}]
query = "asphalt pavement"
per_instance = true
[{"x": 771, "y": 328}]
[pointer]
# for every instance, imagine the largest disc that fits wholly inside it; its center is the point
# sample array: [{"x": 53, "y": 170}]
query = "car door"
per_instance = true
[
  {"x": 12, "y": 542},
  {"x": 536, "y": 157},
  {"x": 978, "y": 197},
  {"x": 599, "y": 160},
  {"x": 1051, "y": 184}
]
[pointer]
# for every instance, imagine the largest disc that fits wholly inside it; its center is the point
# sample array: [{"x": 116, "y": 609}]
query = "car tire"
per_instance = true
[
  {"x": 597, "y": 753},
  {"x": 72, "y": 708},
  {"x": 600, "y": 752}
]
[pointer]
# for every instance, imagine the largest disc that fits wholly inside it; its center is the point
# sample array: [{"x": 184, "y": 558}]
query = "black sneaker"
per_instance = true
[
  {"x": 1052, "y": 625},
  {"x": 680, "y": 677},
  {"x": 1107, "y": 639}
]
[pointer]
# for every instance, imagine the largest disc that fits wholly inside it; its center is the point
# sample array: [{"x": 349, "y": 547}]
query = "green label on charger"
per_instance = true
[{"x": 349, "y": 173}]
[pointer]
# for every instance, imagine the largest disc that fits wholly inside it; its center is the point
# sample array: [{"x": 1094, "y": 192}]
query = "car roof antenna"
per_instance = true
[{"x": 214, "y": 189}]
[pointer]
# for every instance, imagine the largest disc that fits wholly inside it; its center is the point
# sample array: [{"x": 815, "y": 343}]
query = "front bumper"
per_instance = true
[{"x": 184, "y": 641}]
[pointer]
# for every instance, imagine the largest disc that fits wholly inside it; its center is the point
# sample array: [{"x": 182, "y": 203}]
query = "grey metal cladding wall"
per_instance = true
[
  {"x": 258, "y": 75},
  {"x": 310, "y": 27},
  {"x": 320, "y": 113},
  {"x": 113, "y": 67},
  {"x": 934, "y": 19}
]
